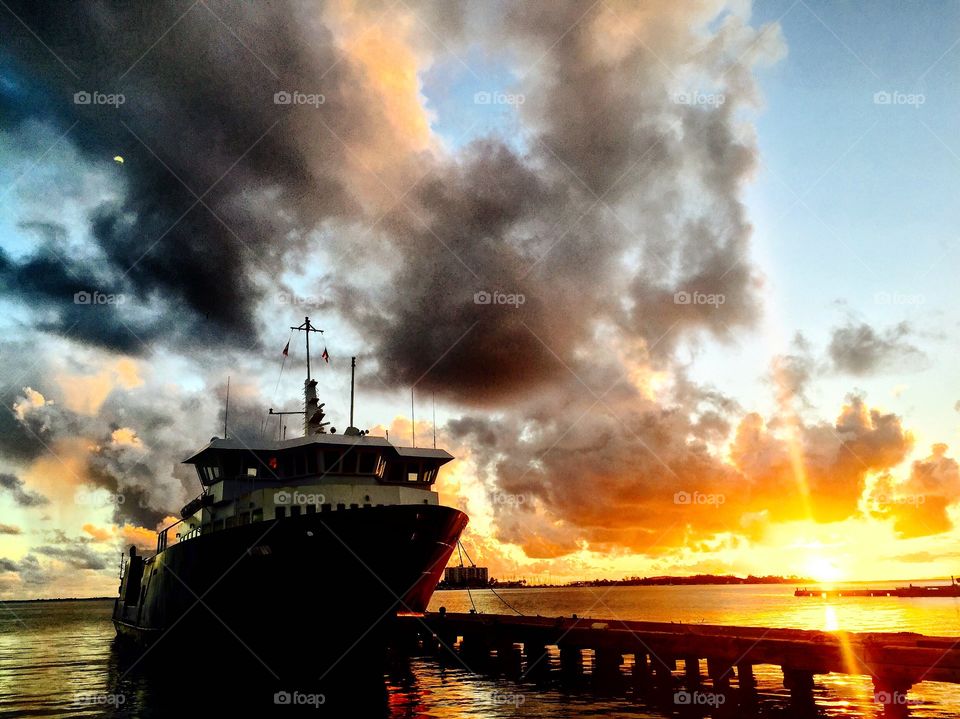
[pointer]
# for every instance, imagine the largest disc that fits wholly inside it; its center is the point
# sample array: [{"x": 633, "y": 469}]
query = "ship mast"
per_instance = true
[{"x": 312, "y": 411}]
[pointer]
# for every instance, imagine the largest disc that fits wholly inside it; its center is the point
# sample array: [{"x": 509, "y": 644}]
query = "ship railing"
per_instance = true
[{"x": 162, "y": 536}]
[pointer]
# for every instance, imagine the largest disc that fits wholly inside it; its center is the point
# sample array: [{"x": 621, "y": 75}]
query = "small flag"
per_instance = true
[
  {"x": 326, "y": 357},
  {"x": 286, "y": 349}
]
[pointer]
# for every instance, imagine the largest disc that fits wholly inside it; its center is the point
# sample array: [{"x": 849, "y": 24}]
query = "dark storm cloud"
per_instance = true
[
  {"x": 203, "y": 103},
  {"x": 10, "y": 529},
  {"x": 860, "y": 349},
  {"x": 13, "y": 486},
  {"x": 78, "y": 556},
  {"x": 623, "y": 209}
]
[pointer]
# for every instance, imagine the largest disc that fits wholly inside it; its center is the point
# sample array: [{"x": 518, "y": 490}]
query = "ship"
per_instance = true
[
  {"x": 296, "y": 548},
  {"x": 911, "y": 591}
]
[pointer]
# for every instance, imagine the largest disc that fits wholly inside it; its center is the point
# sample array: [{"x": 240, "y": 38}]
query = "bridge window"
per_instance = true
[
  {"x": 381, "y": 466},
  {"x": 311, "y": 462},
  {"x": 367, "y": 462},
  {"x": 413, "y": 471},
  {"x": 348, "y": 463},
  {"x": 244, "y": 519},
  {"x": 256, "y": 515},
  {"x": 300, "y": 465},
  {"x": 311, "y": 509},
  {"x": 252, "y": 471},
  {"x": 295, "y": 510},
  {"x": 279, "y": 512},
  {"x": 341, "y": 506},
  {"x": 331, "y": 460},
  {"x": 326, "y": 507}
]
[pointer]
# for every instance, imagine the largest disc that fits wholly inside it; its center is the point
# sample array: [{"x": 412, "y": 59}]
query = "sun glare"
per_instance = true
[{"x": 823, "y": 570}]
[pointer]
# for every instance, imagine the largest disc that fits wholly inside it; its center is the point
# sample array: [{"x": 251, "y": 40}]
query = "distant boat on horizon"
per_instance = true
[{"x": 928, "y": 590}]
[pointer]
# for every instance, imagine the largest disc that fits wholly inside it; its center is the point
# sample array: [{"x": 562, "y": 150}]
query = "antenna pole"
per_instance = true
[
  {"x": 308, "y": 328},
  {"x": 353, "y": 365},
  {"x": 306, "y": 322},
  {"x": 413, "y": 422},
  {"x": 434, "y": 420},
  {"x": 226, "y": 409}
]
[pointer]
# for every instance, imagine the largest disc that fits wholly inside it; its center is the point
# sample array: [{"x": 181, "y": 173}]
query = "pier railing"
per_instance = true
[{"x": 894, "y": 661}]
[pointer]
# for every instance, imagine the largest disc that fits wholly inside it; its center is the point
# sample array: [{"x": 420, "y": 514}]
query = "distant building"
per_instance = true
[{"x": 466, "y": 577}]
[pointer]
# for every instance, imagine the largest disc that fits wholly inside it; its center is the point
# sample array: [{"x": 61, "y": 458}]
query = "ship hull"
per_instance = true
[{"x": 294, "y": 595}]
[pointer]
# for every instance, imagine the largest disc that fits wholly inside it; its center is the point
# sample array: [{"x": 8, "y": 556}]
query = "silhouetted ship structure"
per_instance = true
[
  {"x": 933, "y": 590},
  {"x": 289, "y": 534}
]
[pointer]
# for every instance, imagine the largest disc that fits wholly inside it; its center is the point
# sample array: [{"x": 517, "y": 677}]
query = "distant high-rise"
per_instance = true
[{"x": 467, "y": 576}]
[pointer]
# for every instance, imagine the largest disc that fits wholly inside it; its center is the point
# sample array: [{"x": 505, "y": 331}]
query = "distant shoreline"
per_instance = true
[
  {"x": 57, "y": 599},
  {"x": 660, "y": 581}
]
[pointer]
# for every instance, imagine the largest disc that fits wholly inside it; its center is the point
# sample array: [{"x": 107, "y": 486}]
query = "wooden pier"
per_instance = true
[{"x": 518, "y": 646}]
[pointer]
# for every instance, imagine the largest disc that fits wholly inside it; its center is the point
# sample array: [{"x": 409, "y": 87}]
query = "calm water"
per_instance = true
[{"x": 58, "y": 659}]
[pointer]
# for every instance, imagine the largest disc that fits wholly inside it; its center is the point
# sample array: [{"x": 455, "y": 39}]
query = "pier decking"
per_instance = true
[{"x": 894, "y": 661}]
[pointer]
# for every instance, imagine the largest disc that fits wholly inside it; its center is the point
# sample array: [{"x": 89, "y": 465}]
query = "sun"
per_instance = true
[{"x": 823, "y": 570}]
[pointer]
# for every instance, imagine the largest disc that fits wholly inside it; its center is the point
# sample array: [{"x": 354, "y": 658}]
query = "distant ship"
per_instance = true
[
  {"x": 310, "y": 543},
  {"x": 931, "y": 590}
]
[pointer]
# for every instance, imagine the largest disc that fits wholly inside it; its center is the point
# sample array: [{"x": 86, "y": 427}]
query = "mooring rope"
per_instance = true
[{"x": 473, "y": 564}]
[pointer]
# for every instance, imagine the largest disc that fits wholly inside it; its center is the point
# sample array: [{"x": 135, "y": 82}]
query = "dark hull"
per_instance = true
[{"x": 296, "y": 594}]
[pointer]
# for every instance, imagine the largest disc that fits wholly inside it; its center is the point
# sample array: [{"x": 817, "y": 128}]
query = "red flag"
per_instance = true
[
  {"x": 286, "y": 349},
  {"x": 326, "y": 357}
]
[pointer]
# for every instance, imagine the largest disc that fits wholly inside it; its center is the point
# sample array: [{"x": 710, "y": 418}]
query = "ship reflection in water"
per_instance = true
[{"x": 61, "y": 659}]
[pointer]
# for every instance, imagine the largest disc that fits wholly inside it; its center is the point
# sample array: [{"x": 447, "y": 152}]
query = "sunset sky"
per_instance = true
[{"x": 720, "y": 240}]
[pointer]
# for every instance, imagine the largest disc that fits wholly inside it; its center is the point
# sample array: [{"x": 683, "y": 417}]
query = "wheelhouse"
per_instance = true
[{"x": 271, "y": 480}]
